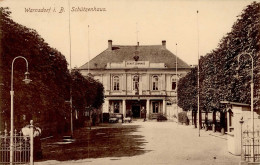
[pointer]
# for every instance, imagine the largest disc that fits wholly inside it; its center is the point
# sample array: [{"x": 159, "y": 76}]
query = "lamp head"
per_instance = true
[
  {"x": 26, "y": 79},
  {"x": 241, "y": 120}
]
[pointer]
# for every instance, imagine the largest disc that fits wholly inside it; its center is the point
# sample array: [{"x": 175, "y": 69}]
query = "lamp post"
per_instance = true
[
  {"x": 241, "y": 122},
  {"x": 176, "y": 76},
  {"x": 252, "y": 97},
  {"x": 26, "y": 81},
  {"x": 70, "y": 71}
]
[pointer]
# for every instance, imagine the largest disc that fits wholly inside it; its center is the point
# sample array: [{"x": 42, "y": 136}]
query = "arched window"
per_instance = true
[
  {"x": 155, "y": 81},
  {"x": 174, "y": 83},
  {"x": 135, "y": 83},
  {"x": 115, "y": 83}
]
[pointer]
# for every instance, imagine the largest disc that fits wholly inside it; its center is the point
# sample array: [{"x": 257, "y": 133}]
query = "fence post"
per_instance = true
[{"x": 31, "y": 142}]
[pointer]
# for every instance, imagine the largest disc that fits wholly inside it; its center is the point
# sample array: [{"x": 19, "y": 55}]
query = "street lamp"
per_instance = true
[
  {"x": 241, "y": 122},
  {"x": 252, "y": 96},
  {"x": 26, "y": 81}
]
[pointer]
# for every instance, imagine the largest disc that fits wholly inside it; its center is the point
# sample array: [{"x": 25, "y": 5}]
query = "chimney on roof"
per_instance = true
[
  {"x": 137, "y": 43},
  {"x": 164, "y": 44},
  {"x": 109, "y": 44}
]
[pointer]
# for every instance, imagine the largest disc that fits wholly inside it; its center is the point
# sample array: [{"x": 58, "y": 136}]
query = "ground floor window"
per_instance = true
[
  {"x": 116, "y": 107},
  {"x": 155, "y": 107}
]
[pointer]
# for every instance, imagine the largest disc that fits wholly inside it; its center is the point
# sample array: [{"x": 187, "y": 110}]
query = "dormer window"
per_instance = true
[{"x": 115, "y": 83}]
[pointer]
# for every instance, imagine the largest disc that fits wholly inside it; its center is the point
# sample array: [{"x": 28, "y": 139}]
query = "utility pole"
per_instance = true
[
  {"x": 198, "y": 72},
  {"x": 70, "y": 70}
]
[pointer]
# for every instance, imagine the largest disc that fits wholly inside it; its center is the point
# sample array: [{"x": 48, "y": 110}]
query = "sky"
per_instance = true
[{"x": 82, "y": 35}]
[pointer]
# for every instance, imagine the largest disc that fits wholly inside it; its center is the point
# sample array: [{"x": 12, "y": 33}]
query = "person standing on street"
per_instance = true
[{"x": 144, "y": 111}]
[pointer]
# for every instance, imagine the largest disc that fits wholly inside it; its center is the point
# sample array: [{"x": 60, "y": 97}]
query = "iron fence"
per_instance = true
[
  {"x": 22, "y": 150},
  {"x": 251, "y": 145}
]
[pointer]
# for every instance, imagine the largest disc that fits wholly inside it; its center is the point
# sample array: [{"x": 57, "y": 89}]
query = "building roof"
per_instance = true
[
  {"x": 235, "y": 103},
  {"x": 120, "y": 53}
]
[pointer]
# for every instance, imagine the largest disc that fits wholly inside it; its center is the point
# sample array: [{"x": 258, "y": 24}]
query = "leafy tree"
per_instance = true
[
  {"x": 86, "y": 92},
  {"x": 44, "y": 99},
  {"x": 218, "y": 73},
  {"x": 187, "y": 91},
  {"x": 46, "y": 94}
]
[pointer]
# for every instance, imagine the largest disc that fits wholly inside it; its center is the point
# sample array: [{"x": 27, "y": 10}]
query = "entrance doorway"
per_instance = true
[{"x": 136, "y": 111}]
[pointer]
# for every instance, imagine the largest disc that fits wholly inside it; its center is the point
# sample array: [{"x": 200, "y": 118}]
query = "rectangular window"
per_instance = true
[
  {"x": 155, "y": 81},
  {"x": 116, "y": 83},
  {"x": 136, "y": 83},
  {"x": 155, "y": 86},
  {"x": 174, "y": 85},
  {"x": 116, "y": 107},
  {"x": 155, "y": 107},
  {"x": 116, "y": 86}
]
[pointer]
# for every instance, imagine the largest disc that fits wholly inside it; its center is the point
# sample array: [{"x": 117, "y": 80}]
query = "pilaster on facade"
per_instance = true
[
  {"x": 124, "y": 107},
  {"x": 163, "y": 82},
  {"x": 148, "y": 87},
  {"x": 108, "y": 82},
  {"x": 106, "y": 106},
  {"x": 164, "y": 106},
  {"x": 147, "y": 107},
  {"x": 140, "y": 85}
]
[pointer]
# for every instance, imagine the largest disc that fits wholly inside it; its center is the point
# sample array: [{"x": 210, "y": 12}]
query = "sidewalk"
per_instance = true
[{"x": 171, "y": 144}]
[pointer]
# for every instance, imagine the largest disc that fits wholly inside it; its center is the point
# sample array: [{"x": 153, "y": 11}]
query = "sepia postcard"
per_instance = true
[{"x": 129, "y": 82}]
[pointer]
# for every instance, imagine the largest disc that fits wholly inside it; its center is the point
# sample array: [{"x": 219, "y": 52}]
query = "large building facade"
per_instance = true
[{"x": 138, "y": 79}]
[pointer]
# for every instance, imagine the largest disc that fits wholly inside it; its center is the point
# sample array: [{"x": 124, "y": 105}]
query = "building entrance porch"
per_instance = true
[{"x": 136, "y": 108}]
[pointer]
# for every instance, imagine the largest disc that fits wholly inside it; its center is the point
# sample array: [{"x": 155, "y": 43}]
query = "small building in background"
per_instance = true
[{"x": 239, "y": 125}]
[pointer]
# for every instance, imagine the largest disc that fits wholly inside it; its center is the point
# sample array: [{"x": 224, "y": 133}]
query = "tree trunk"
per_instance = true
[
  {"x": 200, "y": 122},
  {"x": 195, "y": 119},
  {"x": 214, "y": 121},
  {"x": 222, "y": 122},
  {"x": 206, "y": 121},
  {"x": 192, "y": 115},
  {"x": 1, "y": 76}
]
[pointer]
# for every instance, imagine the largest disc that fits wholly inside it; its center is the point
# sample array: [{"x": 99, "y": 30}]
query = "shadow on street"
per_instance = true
[{"x": 105, "y": 140}]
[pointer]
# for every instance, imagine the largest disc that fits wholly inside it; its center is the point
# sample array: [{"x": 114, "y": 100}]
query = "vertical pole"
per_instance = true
[
  {"x": 252, "y": 116},
  {"x": 137, "y": 33},
  {"x": 71, "y": 114},
  {"x": 252, "y": 105},
  {"x": 241, "y": 142},
  {"x": 31, "y": 142},
  {"x": 252, "y": 102},
  {"x": 198, "y": 74},
  {"x": 12, "y": 109},
  {"x": 88, "y": 50},
  {"x": 176, "y": 84},
  {"x": 12, "y": 128}
]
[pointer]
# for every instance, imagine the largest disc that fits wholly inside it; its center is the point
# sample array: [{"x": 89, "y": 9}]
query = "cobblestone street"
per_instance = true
[{"x": 170, "y": 143}]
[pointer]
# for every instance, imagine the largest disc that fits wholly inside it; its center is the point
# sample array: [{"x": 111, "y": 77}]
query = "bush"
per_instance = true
[
  {"x": 183, "y": 118},
  {"x": 161, "y": 117}
]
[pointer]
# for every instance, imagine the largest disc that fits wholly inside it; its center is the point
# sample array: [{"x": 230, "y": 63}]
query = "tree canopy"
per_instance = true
[
  {"x": 44, "y": 99},
  {"x": 219, "y": 77}
]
